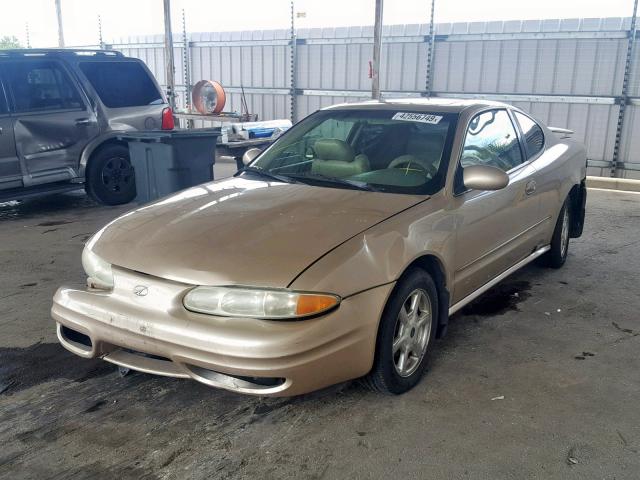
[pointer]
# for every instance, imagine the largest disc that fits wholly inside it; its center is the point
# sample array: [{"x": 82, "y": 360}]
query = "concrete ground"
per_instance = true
[{"x": 539, "y": 379}]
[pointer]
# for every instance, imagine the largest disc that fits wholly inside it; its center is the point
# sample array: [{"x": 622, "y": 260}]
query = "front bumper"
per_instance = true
[{"x": 156, "y": 334}]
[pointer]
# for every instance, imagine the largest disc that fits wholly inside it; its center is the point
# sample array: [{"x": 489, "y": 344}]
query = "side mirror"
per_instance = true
[
  {"x": 484, "y": 177},
  {"x": 249, "y": 155}
]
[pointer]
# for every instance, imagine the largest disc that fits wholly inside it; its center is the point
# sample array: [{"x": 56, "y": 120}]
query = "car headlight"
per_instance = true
[
  {"x": 258, "y": 303},
  {"x": 99, "y": 271}
]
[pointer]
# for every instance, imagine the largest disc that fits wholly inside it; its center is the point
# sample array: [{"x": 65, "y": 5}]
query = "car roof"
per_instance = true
[{"x": 445, "y": 105}]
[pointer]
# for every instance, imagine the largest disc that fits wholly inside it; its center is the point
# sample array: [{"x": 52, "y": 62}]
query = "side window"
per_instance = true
[
  {"x": 533, "y": 136},
  {"x": 39, "y": 85},
  {"x": 491, "y": 140}
]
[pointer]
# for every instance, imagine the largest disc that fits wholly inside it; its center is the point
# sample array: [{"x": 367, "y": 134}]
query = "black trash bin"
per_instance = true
[{"x": 167, "y": 161}]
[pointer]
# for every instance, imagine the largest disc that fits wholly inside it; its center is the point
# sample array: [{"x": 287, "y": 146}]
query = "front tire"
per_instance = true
[
  {"x": 407, "y": 330},
  {"x": 110, "y": 177},
  {"x": 557, "y": 256}
]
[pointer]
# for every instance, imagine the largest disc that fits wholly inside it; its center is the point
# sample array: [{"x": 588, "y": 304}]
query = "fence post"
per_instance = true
[
  {"x": 430, "y": 51},
  {"x": 377, "y": 46},
  {"x": 293, "y": 74},
  {"x": 60, "y": 30},
  {"x": 168, "y": 49},
  {"x": 624, "y": 98},
  {"x": 100, "y": 40},
  {"x": 186, "y": 64}
]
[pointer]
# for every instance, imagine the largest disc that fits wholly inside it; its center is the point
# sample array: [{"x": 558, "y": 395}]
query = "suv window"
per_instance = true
[
  {"x": 41, "y": 85},
  {"x": 533, "y": 136},
  {"x": 121, "y": 84},
  {"x": 3, "y": 102},
  {"x": 491, "y": 140}
]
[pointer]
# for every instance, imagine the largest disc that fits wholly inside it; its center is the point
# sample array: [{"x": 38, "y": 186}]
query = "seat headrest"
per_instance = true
[{"x": 333, "y": 149}]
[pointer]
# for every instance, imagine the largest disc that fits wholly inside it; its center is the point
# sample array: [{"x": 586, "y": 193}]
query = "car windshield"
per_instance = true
[{"x": 398, "y": 151}]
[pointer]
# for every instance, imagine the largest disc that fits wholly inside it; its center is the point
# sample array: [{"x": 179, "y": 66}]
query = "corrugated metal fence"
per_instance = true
[{"x": 568, "y": 73}]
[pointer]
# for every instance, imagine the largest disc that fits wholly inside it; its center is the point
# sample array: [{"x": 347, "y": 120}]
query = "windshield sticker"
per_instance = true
[{"x": 417, "y": 117}]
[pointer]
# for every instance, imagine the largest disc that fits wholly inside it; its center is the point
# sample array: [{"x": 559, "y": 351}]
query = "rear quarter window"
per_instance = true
[
  {"x": 533, "y": 136},
  {"x": 121, "y": 84}
]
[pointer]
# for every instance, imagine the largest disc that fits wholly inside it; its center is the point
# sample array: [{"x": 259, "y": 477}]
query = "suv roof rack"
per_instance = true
[{"x": 18, "y": 52}]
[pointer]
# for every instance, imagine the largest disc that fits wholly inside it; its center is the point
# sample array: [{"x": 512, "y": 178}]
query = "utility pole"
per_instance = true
[
  {"x": 168, "y": 49},
  {"x": 60, "y": 31},
  {"x": 28, "y": 36},
  {"x": 377, "y": 44}
]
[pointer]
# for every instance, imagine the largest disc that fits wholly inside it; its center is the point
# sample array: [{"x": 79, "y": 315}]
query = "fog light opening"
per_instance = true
[
  {"x": 78, "y": 339},
  {"x": 236, "y": 382}
]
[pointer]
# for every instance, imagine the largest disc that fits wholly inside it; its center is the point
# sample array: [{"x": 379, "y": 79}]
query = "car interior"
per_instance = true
[{"x": 375, "y": 151}]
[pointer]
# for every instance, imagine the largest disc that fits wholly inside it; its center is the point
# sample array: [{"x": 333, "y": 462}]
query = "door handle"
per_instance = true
[
  {"x": 82, "y": 121},
  {"x": 530, "y": 187}
]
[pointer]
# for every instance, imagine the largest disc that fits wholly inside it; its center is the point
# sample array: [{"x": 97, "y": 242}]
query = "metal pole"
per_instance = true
[
  {"x": 186, "y": 63},
  {"x": 28, "y": 36},
  {"x": 377, "y": 44},
  {"x": 624, "y": 99},
  {"x": 100, "y": 41},
  {"x": 60, "y": 31},
  {"x": 168, "y": 48},
  {"x": 431, "y": 50},
  {"x": 294, "y": 99}
]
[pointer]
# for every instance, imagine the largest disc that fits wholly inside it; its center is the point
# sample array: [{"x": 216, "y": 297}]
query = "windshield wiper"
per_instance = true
[
  {"x": 337, "y": 181},
  {"x": 266, "y": 174}
]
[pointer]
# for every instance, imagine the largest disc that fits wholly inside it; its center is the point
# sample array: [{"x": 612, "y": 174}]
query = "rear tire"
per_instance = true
[
  {"x": 110, "y": 177},
  {"x": 557, "y": 256},
  {"x": 407, "y": 330}
]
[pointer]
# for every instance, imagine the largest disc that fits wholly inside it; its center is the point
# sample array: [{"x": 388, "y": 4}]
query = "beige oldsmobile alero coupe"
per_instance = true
[{"x": 339, "y": 252}]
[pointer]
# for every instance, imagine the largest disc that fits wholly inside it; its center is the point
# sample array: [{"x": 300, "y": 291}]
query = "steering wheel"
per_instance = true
[
  {"x": 495, "y": 159},
  {"x": 411, "y": 162}
]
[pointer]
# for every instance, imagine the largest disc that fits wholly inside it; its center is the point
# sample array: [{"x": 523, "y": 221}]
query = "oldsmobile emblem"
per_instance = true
[{"x": 140, "y": 290}]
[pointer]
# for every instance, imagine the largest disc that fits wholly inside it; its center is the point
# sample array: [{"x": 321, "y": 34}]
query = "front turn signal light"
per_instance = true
[{"x": 312, "y": 304}]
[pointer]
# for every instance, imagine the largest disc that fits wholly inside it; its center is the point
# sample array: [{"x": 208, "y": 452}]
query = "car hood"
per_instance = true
[{"x": 242, "y": 231}]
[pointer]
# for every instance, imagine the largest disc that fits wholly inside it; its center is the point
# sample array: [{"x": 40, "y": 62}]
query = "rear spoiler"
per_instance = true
[{"x": 562, "y": 132}]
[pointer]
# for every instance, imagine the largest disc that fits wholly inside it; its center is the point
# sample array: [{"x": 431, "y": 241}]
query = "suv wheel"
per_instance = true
[
  {"x": 407, "y": 329},
  {"x": 110, "y": 177}
]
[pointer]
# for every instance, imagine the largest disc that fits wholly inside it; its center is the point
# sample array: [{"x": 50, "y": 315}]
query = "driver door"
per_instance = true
[
  {"x": 494, "y": 228},
  {"x": 10, "y": 171}
]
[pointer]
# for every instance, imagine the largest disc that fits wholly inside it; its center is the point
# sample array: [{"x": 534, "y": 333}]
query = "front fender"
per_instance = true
[{"x": 381, "y": 254}]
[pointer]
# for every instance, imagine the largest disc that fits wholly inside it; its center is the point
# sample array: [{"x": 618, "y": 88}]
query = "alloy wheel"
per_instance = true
[
  {"x": 564, "y": 233},
  {"x": 412, "y": 332}
]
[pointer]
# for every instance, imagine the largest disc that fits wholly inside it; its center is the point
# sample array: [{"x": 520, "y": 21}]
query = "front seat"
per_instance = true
[{"x": 335, "y": 158}]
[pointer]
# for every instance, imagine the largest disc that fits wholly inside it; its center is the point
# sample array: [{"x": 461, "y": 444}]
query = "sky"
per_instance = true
[{"x": 123, "y": 18}]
